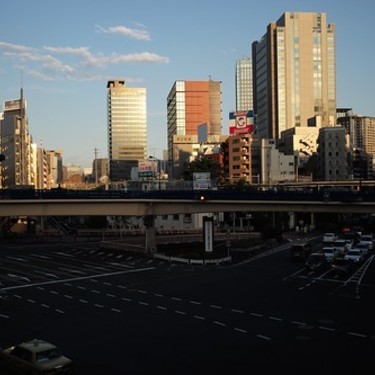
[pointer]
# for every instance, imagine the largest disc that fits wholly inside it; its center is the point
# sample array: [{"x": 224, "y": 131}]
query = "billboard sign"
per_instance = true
[
  {"x": 208, "y": 225},
  {"x": 148, "y": 168},
  {"x": 201, "y": 180},
  {"x": 241, "y": 122}
]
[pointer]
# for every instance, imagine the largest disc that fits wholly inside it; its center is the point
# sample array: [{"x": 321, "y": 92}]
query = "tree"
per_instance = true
[{"x": 203, "y": 165}]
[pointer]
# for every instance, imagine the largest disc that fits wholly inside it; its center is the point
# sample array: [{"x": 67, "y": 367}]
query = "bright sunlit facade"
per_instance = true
[{"x": 127, "y": 128}]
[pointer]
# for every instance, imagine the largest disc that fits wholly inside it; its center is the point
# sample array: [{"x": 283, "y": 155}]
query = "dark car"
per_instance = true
[
  {"x": 35, "y": 357},
  {"x": 316, "y": 261},
  {"x": 342, "y": 266}
]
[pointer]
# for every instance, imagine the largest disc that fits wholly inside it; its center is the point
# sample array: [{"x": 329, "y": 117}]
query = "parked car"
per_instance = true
[
  {"x": 355, "y": 255},
  {"x": 35, "y": 357},
  {"x": 330, "y": 253},
  {"x": 329, "y": 237},
  {"x": 364, "y": 247},
  {"x": 340, "y": 246},
  {"x": 342, "y": 265},
  {"x": 316, "y": 261},
  {"x": 368, "y": 239}
]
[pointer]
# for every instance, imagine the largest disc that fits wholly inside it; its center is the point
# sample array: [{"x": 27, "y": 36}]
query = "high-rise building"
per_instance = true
[
  {"x": 55, "y": 168},
  {"x": 294, "y": 74},
  {"x": 190, "y": 104},
  {"x": 15, "y": 145},
  {"x": 127, "y": 128},
  {"x": 244, "y": 84}
]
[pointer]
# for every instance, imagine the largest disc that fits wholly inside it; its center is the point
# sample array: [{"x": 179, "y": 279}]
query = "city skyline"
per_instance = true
[{"x": 63, "y": 55}]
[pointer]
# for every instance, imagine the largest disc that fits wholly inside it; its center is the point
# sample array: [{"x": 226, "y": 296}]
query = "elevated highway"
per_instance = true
[{"x": 152, "y": 203}]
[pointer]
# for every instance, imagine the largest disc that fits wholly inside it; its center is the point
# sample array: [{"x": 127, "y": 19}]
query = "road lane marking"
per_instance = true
[
  {"x": 115, "y": 310},
  {"x": 46, "y": 306},
  {"x": 68, "y": 296},
  {"x": 59, "y": 311},
  {"x": 158, "y": 295},
  {"x": 195, "y": 302},
  {"x": 199, "y": 317},
  {"x": 219, "y": 323},
  {"x": 357, "y": 334},
  {"x": 95, "y": 291},
  {"x": 327, "y": 329},
  {"x": 298, "y": 323},
  {"x": 257, "y": 315},
  {"x": 240, "y": 330},
  {"x": 161, "y": 308},
  {"x": 176, "y": 299},
  {"x": 110, "y": 295},
  {"x": 216, "y": 307},
  {"x": 180, "y": 312},
  {"x": 121, "y": 286},
  {"x": 31, "y": 300},
  {"x": 83, "y": 301},
  {"x": 264, "y": 337},
  {"x": 237, "y": 311},
  {"x": 73, "y": 279},
  {"x": 4, "y": 316},
  {"x": 141, "y": 291},
  {"x": 126, "y": 299},
  {"x": 143, "y": 303},
  {"x": 98, "y": 305},
  {"x": 275, "y": 318}
]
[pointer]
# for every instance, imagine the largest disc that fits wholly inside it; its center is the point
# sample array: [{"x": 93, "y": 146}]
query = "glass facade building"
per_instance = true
[
  {"x": 127, "y": 128},
  {"x": 244, "y": 84},
  {"x": 294, "y": 74}
]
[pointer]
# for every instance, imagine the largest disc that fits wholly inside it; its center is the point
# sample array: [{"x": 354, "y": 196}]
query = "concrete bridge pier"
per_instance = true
[{"x": 149, "y": 222}]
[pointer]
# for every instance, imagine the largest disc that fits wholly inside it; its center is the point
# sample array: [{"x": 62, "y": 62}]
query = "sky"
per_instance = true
[{"x": 64, "y": 52}]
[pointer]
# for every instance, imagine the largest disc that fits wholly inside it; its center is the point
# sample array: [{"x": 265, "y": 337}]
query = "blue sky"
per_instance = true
[{"x": 67, "y": 50}]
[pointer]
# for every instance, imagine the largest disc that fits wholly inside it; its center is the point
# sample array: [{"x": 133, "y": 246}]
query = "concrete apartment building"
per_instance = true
[
  {"x": 127, "y": 128},
  {"x": 15, "y": 145},
  {"x": 190, "y": 104},
  {"x": 294, "y": 74},
  {"x": 332, "y": 163}
]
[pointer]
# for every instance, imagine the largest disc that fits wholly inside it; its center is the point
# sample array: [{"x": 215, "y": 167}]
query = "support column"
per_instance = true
[
  {"x": 312, "y": 220},
  {"x": 292, "y": 220},
  {"x": 150, "y": 244}
]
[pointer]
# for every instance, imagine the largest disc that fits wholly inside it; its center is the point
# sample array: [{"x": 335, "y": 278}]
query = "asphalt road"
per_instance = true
[{"x": 116, "y": 313}]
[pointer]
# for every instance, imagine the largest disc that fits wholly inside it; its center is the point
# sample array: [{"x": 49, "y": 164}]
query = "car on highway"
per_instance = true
[
  {"x": 300, "y": 250},
  {"x": 340, "y": 246},
  {"x": 35, "y": 357},
  {"x": 364, "y": 247},
  {"x": 329, "y": 238},
  {"x": 342, "y": 266},
  {"x": 354, "y": 255},
  {"x": 316, "y": 261},
  {"x": 368, "y": 239},
  {"x": 330, "y": 253}
]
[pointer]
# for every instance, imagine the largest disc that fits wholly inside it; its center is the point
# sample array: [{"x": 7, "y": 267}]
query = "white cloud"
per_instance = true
[
  {"x": 138, "y": 34},
  {"x": 74, "y": 62}
]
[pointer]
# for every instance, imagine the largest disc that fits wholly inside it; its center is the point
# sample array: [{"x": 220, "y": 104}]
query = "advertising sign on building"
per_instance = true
[
  {"x": 241, "y": 122},
  {"x": 201, "y": 180},
  {"x": 148, "y": 168}
]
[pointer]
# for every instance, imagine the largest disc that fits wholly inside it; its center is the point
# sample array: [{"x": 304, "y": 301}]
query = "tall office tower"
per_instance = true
[
  {"x": 55, "y": 168},
  {"x": 15, "y": 145},
  {"x": 294, "y": 74},
  {"x": 244, "y": 84},
  {"x": 127, "y": 128},
  {"x": 190, "y": 104}
]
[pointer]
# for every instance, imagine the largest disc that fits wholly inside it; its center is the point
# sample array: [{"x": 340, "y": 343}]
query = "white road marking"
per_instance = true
[
  {"x": 46, "y": 306},
  {"x": 357, "y": 334},
  {"x": 81, "y": 287},
  {"x": 195, "y": 302},
  {"x": 143, "y": 303},
  {"x": 73, "y": 279},
  {"x": 199, "y": 317},
  {"x": 83, "y": 301},
  {"x": 121, "y": 286},
  {"x": 161, "y": 307},
  {"x": 275, "y": 318},
  {"x": 18, "y": 259},
  {"x": 95, "y": 291},
  {"x": 68, "y": 296},
  {"x": 126, "y": 299},
  {"x": 263, "y": 337},
  {"x": 240, "y": 330},
  {"x": 4, "y": 316},
  {"x": 216, "y": 307},
  {"x": 59, "y": 311},
  {"x": 97, "y": 305},
  {"x": 327, "y": 328},
  {"x": 31, "y": 300},
  {"x": 72, "y": 271},
  {"x": 158, "y": 295},
  {"x": 180, "y": 312},
  {"x": 237, "y": 311},
  {"x": 110, "y": 295},
  {"x": 176, "y": 299},
  {"x": 257, "y": 315},
  {"x": 298, "y": 323},
  {"x": 141, "y": 291},
  {"x": 46, "y": 274},
  {"x": 219, "y": 323},
  {"x": 116, "y": 310}
]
